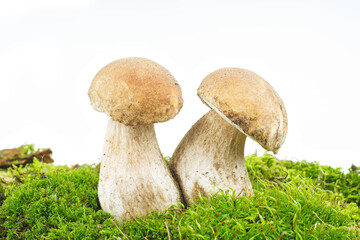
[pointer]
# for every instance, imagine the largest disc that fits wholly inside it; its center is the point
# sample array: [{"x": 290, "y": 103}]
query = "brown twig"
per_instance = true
[
  {"x": 9, "y": 157},
  {"x": 281, "y": 235},
  {"x": 118, "y": 228},
  {"x": 44, "y": 174},
  {"x": 167, "y": 229},
  {"x": 319, "y": 218}
]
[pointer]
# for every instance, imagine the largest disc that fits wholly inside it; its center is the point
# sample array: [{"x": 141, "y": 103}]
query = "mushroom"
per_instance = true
[
  {"x": 134, "y": 178},
  {"x": 211, "y": 155}
]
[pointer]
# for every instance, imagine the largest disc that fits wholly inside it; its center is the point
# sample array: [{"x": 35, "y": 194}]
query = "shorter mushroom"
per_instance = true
[
  {"x": 211, "y": 155},
  {"x": 134, "y": 178}
]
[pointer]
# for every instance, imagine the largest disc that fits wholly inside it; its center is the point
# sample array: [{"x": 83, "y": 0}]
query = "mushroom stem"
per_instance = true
[
  {"x": 211, "y": 157},
  {"x": 134, "y": 178}
]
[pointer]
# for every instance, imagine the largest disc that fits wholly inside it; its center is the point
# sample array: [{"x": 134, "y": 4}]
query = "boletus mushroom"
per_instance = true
[
  {"x": 134, "y": 178},
  {"x": 211, "y": 155}
]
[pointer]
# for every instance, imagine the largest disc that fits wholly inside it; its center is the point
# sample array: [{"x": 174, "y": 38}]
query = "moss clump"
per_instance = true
[
  {"x": 58, "y": 203},
  {"x": 346, "y": 185}
]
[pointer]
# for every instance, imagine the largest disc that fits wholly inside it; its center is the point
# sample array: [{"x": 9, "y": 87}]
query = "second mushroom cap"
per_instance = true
[{"x": 248, "y": 102}]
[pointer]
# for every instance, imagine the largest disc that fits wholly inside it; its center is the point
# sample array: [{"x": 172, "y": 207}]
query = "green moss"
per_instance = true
[
  {"x": 290, "y": 203},
  {"x": 27, "y": 149},
  {"x": 61, "y": 205},
  {"x": 346, "y": 185}
]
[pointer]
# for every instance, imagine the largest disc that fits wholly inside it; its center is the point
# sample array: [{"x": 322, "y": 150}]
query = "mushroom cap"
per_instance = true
[
  {"x": 249, "y": 103},
  {"x": 136, "y": 91}
]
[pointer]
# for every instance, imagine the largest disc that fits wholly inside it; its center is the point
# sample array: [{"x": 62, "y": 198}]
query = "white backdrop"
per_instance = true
[{"x": 308, "y": 51}]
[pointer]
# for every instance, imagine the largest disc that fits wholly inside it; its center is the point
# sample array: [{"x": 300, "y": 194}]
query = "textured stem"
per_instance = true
[
  {"x": 211, "y": 157},
  {"x": 134, "y": 178}
]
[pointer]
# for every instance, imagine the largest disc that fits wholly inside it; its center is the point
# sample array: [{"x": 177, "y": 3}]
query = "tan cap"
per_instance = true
[
  {"x": 249, "y": 103},
  {"x": 136, "y": 91}
]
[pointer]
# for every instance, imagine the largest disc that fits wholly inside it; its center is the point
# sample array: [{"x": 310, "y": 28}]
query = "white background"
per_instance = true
[{"x": 309, "y": 51}]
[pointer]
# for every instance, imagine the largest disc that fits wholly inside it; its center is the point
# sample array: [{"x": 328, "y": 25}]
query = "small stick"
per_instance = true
[
  {"x": 167, "y": 229},
  {"x": 318, "y": 218},
  {"x": 118, "y": 228},
  {"x": 281, "y": 235},
  {"x": 43, "y": 167}
]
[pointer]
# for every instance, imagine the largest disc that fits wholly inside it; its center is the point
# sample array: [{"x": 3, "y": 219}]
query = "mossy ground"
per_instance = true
[{"x": 293, "y": 200}]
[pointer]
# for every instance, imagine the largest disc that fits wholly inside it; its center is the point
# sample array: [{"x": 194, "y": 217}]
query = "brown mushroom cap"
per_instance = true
[
  {"x": 136, "y": 91},
  {"x": 249, "y": 103}
]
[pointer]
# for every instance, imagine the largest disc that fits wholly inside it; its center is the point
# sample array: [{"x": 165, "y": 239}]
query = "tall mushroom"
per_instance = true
[
  {"x": 134, "y": 178},
  {"x": 211, "y": 154}
]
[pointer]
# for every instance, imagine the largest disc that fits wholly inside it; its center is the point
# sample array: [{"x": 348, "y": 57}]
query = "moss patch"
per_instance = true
[{"x": 48, "y": 202}]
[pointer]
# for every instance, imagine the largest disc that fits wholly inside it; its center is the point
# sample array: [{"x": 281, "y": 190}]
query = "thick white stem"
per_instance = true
[
  {"x": 211, "y": 157},
  {"x": 134, "y": 178}
]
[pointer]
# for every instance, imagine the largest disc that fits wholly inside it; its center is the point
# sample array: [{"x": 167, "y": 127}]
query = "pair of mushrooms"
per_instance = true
[{"x": 136, "y": 93}]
